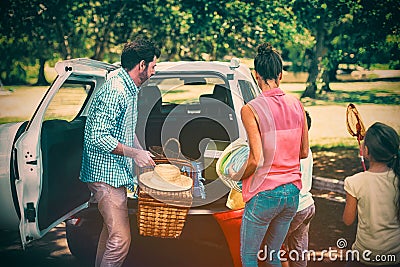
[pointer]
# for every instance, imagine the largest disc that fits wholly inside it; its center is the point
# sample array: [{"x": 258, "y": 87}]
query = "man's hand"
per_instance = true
[{"x": 143, "y": 158}]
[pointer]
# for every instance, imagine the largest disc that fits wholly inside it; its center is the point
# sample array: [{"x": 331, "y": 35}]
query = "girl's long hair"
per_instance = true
[{"x": 383, "y": 145}]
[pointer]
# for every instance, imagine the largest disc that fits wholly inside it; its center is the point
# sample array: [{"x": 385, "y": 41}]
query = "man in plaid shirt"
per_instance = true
[{"x": 110, "y": 147}]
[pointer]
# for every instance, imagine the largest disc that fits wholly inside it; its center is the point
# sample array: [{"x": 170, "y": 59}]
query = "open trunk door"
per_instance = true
[{"x": 48, "y": 153}]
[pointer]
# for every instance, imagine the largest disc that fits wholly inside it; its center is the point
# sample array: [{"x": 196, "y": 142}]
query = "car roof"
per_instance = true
[
  {"x": 191, "y": 65},
  {"x": 199, "y": 66},
  {"x": 90, "y": 66}
]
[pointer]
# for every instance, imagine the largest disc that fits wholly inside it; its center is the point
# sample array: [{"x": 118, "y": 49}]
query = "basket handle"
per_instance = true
[{"x": 174, "y": 140}]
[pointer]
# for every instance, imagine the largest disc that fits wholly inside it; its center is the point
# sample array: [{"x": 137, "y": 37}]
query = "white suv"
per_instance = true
[{"x": 197, "y": 103}]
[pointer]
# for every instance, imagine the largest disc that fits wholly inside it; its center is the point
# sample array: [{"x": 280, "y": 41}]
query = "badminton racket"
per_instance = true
[{"x": 355, "y": 127}]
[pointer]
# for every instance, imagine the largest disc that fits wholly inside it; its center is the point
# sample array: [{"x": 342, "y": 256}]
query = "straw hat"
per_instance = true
[{"x": 166, "y": 177}]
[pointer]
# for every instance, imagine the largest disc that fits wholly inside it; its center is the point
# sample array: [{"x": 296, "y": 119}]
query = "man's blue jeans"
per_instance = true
[{"x": 268, "y": 214}]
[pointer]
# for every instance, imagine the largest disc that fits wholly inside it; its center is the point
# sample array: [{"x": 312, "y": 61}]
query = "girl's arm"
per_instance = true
[
  {"x": 350, "y": 210},
  {"x": 254, "y": 139},
  {"x": 304, "y": 146}
]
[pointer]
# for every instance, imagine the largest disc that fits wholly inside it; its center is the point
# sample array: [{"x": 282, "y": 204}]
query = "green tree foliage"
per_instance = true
[
  {"x": 322, "y": 18},
  {"x": 376, "y": 35},
  {"x": 347, "y": 31},
  {"x": 38, "y": 31},
  {"x": 315, "y": 35}
]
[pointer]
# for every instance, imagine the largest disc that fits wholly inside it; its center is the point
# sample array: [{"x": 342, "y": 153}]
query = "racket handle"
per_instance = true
[
  {"x": 360, "y": 152},
  {"x": 363, "y": 163}
]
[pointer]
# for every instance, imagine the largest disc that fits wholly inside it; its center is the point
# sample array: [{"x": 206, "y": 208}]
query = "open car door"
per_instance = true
[{"x": 48, "y": 153}]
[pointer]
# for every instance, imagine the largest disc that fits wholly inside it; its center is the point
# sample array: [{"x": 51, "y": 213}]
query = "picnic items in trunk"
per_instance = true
[
  {"x": 198, "y": 186},
  {"x": 235, "y": 155},
  {"x": 172, "y": 150},
  {"x": 235, "y": 200},
  {"x": 355, "y": 127},
  {"x": 165, "y": 196},
  {"x": 166, "y": 177}
]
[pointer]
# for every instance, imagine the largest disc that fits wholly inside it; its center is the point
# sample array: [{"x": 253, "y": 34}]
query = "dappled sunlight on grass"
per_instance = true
[
  {"x": 336, "y": 162},
  {"x": 327, "y": 225}
]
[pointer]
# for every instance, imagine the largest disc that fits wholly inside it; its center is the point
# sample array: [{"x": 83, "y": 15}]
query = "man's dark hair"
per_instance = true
[
  {"x": 308, "y": 117},
  {"x": 136, "y": 51}
]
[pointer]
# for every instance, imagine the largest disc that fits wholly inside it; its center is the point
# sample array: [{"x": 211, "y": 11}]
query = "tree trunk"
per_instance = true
[
  {"x": 332, "y": 72},
  {"x": 325, "y": 82},
  {"x": 100, "y": 47},
  {"x": 173, "y": 51},
  {"x": 311, "y": 87},
  {"x": 310, "y": 91},
  {"x": 1, "y": 85},
  {"x": 316, "y": 57},
  {"x": 41, "y": 76},
  {"x": 63, "y": 41}
]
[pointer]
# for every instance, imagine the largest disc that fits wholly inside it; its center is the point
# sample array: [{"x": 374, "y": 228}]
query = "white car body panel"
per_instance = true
[
  {"x": 28, "y": 148},
  {"x": 8, "y": 216}
]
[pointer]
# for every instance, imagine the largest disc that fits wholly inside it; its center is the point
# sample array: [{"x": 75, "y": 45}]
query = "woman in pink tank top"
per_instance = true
[{"x": 278, "y": 138}]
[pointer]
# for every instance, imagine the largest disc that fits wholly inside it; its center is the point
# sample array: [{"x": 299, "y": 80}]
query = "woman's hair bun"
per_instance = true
[{"x": 265, "y": 49}]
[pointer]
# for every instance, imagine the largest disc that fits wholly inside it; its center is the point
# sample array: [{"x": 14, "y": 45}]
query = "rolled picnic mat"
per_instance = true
[{"x": 234, "y": 155}]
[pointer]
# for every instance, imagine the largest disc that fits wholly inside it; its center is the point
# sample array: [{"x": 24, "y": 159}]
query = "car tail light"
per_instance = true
[
  {"x": 75, "y": 221},
  {"x": 235, "y": 63}
]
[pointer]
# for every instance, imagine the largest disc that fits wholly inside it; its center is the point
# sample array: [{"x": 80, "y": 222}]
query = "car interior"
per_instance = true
[
  {"x": 62, "y": 147},
  {"x": 211, "y": 117},
  {"x": 61, "y": 143}
]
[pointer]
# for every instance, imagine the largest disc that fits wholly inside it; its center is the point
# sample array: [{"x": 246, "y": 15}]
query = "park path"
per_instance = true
[{"x": 21, "y": 102}]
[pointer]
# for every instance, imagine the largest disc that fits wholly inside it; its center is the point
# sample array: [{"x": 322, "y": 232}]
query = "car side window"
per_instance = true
[
  {"x": 68, "y": 102},
  {"x": 184, "y": 93},
  {"x": 187, "y": 89},
  {"x": 248, "y": 91}
]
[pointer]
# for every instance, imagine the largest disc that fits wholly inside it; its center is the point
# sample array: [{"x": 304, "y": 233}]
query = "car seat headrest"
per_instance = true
[{"x": 220, "y": 93}]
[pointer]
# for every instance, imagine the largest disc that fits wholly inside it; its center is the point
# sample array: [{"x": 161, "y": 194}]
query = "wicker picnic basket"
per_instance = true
[{"x": 161, "y": 213}]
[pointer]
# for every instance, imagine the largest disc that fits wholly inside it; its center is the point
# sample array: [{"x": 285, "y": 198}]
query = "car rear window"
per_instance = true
[
  {"x": 68, "y": 101},
  {"x": 185, "y": 90}
]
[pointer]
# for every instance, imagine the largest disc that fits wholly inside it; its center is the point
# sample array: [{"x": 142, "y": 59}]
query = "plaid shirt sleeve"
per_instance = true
[
  {"x": 103, "y": 118},
  {"x": 111, "y": 120}
]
